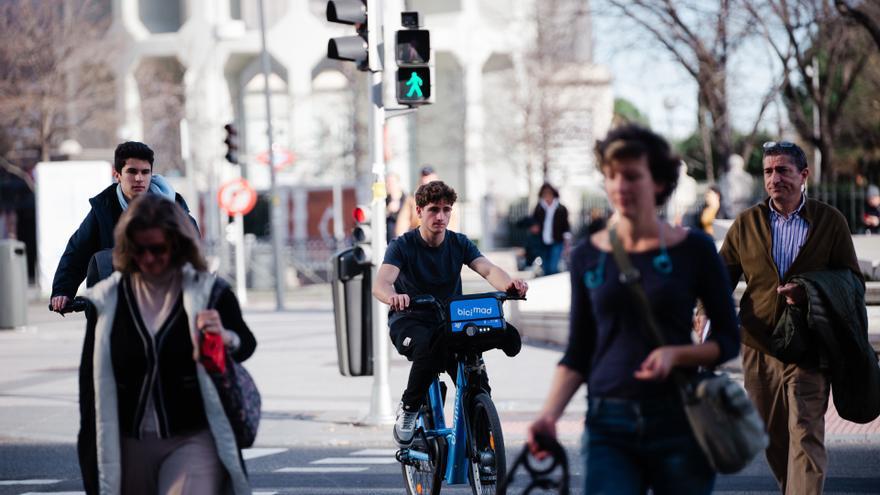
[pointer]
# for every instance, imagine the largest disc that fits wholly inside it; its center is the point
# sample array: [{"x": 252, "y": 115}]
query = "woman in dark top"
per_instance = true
[
  {"x": 550, "y": 226},
  {"x": 638, "y": 436},
  {"x": 151, "y": 420}
]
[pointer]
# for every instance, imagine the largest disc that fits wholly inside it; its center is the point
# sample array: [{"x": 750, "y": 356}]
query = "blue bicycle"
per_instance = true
[{"x": 472, "y": 449}]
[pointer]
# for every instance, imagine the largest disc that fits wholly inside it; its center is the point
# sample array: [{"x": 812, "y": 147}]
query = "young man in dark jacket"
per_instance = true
[{"x": 133, "y": 173}]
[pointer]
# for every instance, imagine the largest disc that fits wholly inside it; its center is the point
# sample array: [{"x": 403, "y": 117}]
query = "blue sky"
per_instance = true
[{"x": 645, "y": 74}]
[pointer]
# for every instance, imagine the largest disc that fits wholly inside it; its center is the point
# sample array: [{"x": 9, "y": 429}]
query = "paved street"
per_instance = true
[{"x": 309, "y": 441}]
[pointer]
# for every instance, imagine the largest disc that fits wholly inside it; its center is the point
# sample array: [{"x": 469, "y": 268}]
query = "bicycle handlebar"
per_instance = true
[{"x": 75, "y": 305}]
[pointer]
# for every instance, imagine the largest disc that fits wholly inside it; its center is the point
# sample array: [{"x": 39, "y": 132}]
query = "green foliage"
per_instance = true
[{"x": 626, "y": 112}]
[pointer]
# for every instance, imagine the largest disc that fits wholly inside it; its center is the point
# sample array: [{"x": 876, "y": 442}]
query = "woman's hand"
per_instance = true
[
  {"x": 208, "y": 320},
  {"x": 545, "y": 427},
  {"x": 658, "y": 364}
]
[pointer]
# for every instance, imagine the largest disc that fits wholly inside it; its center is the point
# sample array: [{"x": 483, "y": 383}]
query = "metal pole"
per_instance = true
[
  {"x": 277, "y": 262},
  {"x": 380, "y": 400},
  {"x": 240, "y": 272}
]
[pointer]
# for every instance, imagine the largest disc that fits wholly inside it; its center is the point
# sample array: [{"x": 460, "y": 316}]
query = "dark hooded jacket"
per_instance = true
[
  {"x": 94, "y": 234},
  {"x": 831, "y": 332}
]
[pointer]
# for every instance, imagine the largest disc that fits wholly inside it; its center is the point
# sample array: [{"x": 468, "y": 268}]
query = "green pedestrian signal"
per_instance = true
[
  {"x": 414, "y": 85},
  {"x": 412, "y": 51}
]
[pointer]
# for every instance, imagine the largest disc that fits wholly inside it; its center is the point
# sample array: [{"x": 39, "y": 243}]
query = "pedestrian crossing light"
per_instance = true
[{"x": 412, "y": 48}]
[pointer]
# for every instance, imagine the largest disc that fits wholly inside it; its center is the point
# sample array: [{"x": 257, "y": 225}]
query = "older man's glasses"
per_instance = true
[
  {"x": 769, "y": 145},
  {"x": 154, "y": 249}
]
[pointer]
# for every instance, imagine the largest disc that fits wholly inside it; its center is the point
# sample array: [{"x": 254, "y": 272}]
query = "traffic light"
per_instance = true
[
  {"x": 412, "y": 49},
  {"x": 351, "y": 48},
  {"x": 231, "y": 142},
  {"x": 362, "y": 235}
]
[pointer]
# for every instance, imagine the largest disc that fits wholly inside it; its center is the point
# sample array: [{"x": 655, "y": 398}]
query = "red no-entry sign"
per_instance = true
[{"x": 237, "y": 197}]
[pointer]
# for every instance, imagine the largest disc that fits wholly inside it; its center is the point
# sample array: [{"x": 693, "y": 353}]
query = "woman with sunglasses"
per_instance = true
[
  {"x": 637, "y": 435},
  {"x": 148, "y": 422}
]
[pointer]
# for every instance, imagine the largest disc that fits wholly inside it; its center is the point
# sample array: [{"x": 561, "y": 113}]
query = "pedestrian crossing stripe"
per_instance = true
[
  {"x": 27, "y": 482},
  {"x": 249, "y": 454},
  {"x": 355, "y": 460},
  {"x": 375, "y": 452},
  {"x": 326, "y": 469}
]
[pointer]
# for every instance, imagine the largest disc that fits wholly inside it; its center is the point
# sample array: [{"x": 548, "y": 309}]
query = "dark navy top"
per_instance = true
[
  {"x": 607, "y": 341},
  {"x": 430, "y": 270}
]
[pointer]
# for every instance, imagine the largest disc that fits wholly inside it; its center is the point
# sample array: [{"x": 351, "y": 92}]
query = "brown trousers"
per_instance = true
[{"x": 792, "y": 401}]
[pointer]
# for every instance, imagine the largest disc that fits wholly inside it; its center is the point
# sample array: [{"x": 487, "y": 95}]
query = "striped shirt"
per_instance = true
[{"x": 789, "y": 234}]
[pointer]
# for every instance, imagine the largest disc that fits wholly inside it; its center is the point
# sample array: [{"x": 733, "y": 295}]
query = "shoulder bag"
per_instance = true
[
  {"x": 723, "y": 419},
  {"x": 235, "y": 386}
]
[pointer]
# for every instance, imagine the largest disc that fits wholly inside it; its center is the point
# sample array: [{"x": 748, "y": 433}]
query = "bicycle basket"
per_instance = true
[{"x": 476, "y": 319}]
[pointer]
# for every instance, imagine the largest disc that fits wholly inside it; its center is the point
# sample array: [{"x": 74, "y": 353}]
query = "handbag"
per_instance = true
[
  {"x": 724, "y": 421},
  {"x": 236, "y": 388}
]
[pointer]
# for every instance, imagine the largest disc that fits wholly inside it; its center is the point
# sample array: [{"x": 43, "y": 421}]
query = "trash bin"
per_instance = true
[
  {"x": 13, "y": 284},
  {"x": 352, "y": 311}
]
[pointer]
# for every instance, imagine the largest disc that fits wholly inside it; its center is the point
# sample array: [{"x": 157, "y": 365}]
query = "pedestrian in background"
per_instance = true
[
  {"x": 149, "y": 421},
  {"x": 637, "y": 434},
  {"x": 712, "y": 209},
  {"x": 550, "y": 224},
  {"x": 408, "y": 219},
  {"x": 133, "y": 173},
  {"x": 781, "y": 237},
  {"x": 395, "y": 200},
  {"x": 871, "y": 217}
]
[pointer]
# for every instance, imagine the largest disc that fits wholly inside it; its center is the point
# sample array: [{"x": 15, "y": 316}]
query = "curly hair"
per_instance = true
[
  {"x": 434, "y": 192},
  {"x": 149, "y": 211},
  {"x": 632, "y": 141}
]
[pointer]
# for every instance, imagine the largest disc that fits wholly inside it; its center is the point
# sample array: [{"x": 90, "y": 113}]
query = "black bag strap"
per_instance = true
[{"x": 630, "y": 277}]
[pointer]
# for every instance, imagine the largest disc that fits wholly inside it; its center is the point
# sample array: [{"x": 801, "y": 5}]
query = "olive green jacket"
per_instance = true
[{"x": 747, "y": 252}]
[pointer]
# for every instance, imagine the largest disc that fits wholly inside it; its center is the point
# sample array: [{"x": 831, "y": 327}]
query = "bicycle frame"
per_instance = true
[{"x": 456, "y": 437}]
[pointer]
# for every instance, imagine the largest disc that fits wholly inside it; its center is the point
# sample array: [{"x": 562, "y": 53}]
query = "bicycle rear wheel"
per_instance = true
[
  {"x": 425, "y": 477},
  {"x": 488, "y": 473}
]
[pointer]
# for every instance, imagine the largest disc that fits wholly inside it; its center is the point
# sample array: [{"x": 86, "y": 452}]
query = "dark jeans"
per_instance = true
[
  {"x": 631, "y": 446},
  {"x": 424, "y": 343},
  {"x": 551, "y": 254}
]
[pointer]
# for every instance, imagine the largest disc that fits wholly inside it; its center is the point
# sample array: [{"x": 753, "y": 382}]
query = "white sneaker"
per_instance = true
[{"x": 405, "y": 426}]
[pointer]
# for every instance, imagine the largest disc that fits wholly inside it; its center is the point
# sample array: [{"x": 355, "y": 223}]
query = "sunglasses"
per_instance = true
[
  {"x": 154, "y": 249},
  {"x": 769, "y": 145}
]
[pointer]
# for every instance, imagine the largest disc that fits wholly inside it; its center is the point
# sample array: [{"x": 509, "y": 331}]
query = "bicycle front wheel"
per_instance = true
[
  {"x": 425, "y": 477},
  {"x": 488, "y": 473}
]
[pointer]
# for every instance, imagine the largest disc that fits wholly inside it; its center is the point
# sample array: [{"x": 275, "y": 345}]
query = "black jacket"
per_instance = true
[
  {"x": 832, "y": 332},
  {"x": 560, "y": 221},
  {"x": 94, "y": 234}
]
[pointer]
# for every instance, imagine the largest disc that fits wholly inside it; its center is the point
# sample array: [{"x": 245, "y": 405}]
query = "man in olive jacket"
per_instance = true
[{"x": 769, "y": 244}]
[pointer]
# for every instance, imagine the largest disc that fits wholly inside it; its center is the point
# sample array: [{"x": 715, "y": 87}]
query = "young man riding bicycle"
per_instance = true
[{"x": 428, "y": 260}]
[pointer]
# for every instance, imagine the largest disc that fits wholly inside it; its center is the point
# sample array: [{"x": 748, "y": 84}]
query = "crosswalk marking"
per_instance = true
[
  {"x": 352, "y": 469},
  {"x": 375, "y": 452},
  {"x": 27, "y": 482},
  {"x": 355, "y": 460},
  {"x": 249, "y": 454}
]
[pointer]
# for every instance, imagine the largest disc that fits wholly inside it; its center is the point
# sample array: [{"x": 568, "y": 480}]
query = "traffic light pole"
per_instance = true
[
  {"x": 274, "y": 205},
  {"x": 380, "y": 401}
]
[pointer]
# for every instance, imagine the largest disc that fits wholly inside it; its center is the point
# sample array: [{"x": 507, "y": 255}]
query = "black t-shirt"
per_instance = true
[{"x": 430, "y": 270}]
